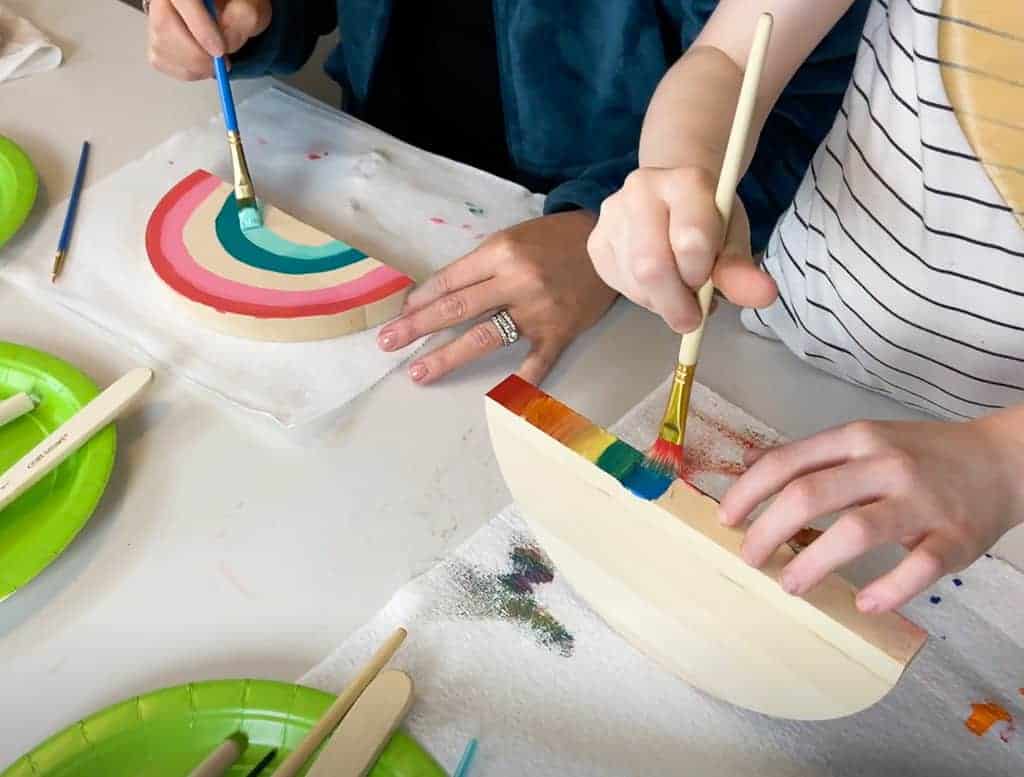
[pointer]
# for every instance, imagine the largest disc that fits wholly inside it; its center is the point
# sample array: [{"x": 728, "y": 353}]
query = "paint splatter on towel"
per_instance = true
[{"x": 510, "y": 595}]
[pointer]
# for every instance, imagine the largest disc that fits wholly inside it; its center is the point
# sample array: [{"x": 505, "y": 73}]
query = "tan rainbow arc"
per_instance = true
[
  {"x": 284, "y": 282},
  {"x": 981, "y": 47}
]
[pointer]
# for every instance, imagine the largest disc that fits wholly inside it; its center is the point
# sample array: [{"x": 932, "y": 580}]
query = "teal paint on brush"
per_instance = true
[
  {"x": 264, "y": 250},
  {"x": 250, "y": 218}
]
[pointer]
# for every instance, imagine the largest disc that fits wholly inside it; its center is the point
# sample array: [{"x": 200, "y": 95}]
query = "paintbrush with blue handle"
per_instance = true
[{"x": 249, "y": 215}]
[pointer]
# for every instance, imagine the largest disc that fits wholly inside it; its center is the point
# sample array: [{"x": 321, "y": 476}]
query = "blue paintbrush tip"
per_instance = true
[{"x": 250, "y": 217}]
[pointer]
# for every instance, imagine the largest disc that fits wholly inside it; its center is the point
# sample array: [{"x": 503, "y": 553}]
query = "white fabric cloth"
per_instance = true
[
  {"x": 899, "y": 263},
  {"x": 580, "y": 702},
  {"x": 24, "y": 50},
  {"x": 401, "y": 205}
]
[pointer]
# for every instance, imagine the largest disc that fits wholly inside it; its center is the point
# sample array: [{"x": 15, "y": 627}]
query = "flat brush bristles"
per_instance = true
[
  {"x": 665, "y": 458},
  {"x": 666, "y": 455}
]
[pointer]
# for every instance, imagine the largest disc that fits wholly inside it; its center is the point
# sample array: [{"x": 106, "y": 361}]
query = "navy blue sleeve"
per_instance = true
[
  {"x": 288, "y": 42},
  {"x": 592, "y": 187}
]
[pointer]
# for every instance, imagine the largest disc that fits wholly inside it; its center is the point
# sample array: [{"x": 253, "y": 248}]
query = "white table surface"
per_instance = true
[{"x": 225, "y": 547}]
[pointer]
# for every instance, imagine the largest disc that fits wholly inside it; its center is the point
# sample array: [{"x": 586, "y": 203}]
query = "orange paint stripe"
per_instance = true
[
  {"x": 984, "y": 716},
  {"x": 556, "y": 419}
]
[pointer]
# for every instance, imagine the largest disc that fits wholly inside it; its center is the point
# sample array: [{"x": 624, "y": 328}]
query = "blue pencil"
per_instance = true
[{"x": 69, "y": 217}]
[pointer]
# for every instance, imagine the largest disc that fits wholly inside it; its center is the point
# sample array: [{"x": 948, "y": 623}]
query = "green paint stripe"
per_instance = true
[{"x": 619, "y": 459}]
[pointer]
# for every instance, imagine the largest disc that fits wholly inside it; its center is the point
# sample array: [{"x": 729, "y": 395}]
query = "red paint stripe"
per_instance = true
[
  {"x": 515, "y": 394},
  {"x": 162, "y": 267}
]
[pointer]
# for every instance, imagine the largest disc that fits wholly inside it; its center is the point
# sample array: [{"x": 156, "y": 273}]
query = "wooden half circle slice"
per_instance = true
[
  {"x": 284, "y": 281},
  {"x": 650, "y": 556},
  {"x": 981, "y": 46}
]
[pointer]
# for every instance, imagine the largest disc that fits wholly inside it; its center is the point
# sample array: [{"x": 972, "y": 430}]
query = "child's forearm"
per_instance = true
[{"x": 688, "y": 121}]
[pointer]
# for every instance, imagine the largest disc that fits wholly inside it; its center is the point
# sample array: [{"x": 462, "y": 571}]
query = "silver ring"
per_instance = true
[
  {"x": 506, "y": 327},
  {"x": 145, "y": 6}
]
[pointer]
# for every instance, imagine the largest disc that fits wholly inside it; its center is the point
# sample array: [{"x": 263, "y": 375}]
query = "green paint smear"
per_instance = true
[
  {"x": 265, "y": 250},
  {"x": 619, "y": 459},
  {"x": 510, "y": 596}
]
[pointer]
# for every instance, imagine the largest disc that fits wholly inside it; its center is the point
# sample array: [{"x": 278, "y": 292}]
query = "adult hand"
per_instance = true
[
  {"x": 183, "y": 37},
  {"x": 659, "y": 237},
  {"x": 945, "y": 491},
  {"x": 538, "y": 271}
]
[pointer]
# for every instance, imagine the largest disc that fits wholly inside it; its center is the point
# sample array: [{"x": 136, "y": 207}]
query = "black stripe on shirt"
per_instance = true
[
  {"x": 934, "y": 231},
  {"x": 890, "y": 311},
  {"x": 828, "y": 203}
]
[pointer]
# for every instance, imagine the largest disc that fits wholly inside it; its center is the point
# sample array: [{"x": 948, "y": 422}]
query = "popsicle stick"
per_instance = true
[
  {"x": 15, "y": 407},
  {"x": 222, "y": 758},
  {"x": 294, "y": 762},
  {"x": 72, "y": 435},
  {"x": 359, "y": 739}
]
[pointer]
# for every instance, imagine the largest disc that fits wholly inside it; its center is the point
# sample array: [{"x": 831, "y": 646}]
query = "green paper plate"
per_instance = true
[
  {"x": 18, "y": 186},
  {"x": 36, "y": 527},
  {"x": 167, "y": 733}
]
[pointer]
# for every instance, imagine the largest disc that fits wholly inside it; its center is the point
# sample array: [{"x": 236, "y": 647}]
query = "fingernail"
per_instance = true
[
  {"x": 867, "y": 604},
  {"x": 722, "y": 517},
  {"x": 418, "y": 372},
  {"x": 790, "y": 584},
  {"x": 387, "y": 339}
]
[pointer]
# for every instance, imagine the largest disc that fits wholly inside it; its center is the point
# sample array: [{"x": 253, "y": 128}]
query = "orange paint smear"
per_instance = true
[
  {"x": 984, "y": 716},
  {"x": 515, "y": 394},
  {"x": 556, "y": 419}
]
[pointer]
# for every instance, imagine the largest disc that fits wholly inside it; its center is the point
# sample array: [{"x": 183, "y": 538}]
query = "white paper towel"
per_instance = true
[
  {"x": 401, "y": 205},
  {"x": 24, "y": 50},
  {"x": 560, "y": 694}
]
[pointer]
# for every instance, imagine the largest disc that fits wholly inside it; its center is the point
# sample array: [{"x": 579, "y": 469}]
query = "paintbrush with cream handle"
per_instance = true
[
  {"x": 223, "y": 757},
  {"x": 666, "y": 455},
  {"x": 15, "y": 407},
  {"x": 293, "y": 764},
  {"x": 71, "y": 435}
]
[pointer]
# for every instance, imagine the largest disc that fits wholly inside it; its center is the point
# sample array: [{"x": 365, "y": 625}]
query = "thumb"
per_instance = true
[
  {"x": 241, "y": 20},
  {"x": 736, "y": 274}
]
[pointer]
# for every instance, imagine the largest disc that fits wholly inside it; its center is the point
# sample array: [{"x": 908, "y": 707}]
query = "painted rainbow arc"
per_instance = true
[
  {"x": 620, "y": 460},
  {"x": 285, "y": 281}
]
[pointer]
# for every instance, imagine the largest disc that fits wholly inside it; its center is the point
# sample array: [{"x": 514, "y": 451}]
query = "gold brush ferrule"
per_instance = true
[
  {"x": 58, "y": 265},
  {"x": 243, "y": 181},
  {"x": 673, "y": 427}
]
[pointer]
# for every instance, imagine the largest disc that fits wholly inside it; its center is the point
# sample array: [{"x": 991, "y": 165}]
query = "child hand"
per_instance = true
[
  {"x": 183, "y": 36},
  {"x": 538, "y": 271},
  {"x": 945, "y": 491},
  {"x": 658, "y": 238}
]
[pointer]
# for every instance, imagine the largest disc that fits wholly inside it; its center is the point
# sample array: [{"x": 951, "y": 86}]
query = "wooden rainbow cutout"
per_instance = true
[
  {"x": 983, "y": 43},
  {"x": 649, "y": 555},
  {"x": 285, "y": 281}
]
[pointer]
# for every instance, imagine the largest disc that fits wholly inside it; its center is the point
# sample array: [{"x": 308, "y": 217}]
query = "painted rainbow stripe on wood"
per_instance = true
[
  {"x": 283, "y": 270},
  {"x": 620, "y": 460}
]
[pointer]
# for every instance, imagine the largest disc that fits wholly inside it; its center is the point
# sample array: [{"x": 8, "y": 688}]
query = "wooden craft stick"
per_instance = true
[
  {"x": 217, "y": 763},
  {"x": 294, "y": 762},
  {"x": 357, "y": 743},
  {"x": 15, "y": 407},
  {"x": 72, "y": 435}
]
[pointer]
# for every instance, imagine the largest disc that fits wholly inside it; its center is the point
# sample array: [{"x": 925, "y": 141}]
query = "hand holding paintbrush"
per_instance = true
[
  {"x": 657, "y": 238},
  {"x": 667, "y": 452},
  {"x": 249, "y": 216}
]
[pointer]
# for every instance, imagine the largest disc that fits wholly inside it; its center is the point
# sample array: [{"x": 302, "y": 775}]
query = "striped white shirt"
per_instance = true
[{"x": 900, "y": 266}]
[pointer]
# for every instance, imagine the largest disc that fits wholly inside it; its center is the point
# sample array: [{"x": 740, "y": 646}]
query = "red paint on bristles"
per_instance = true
[{"x": 665, "y": 457}]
